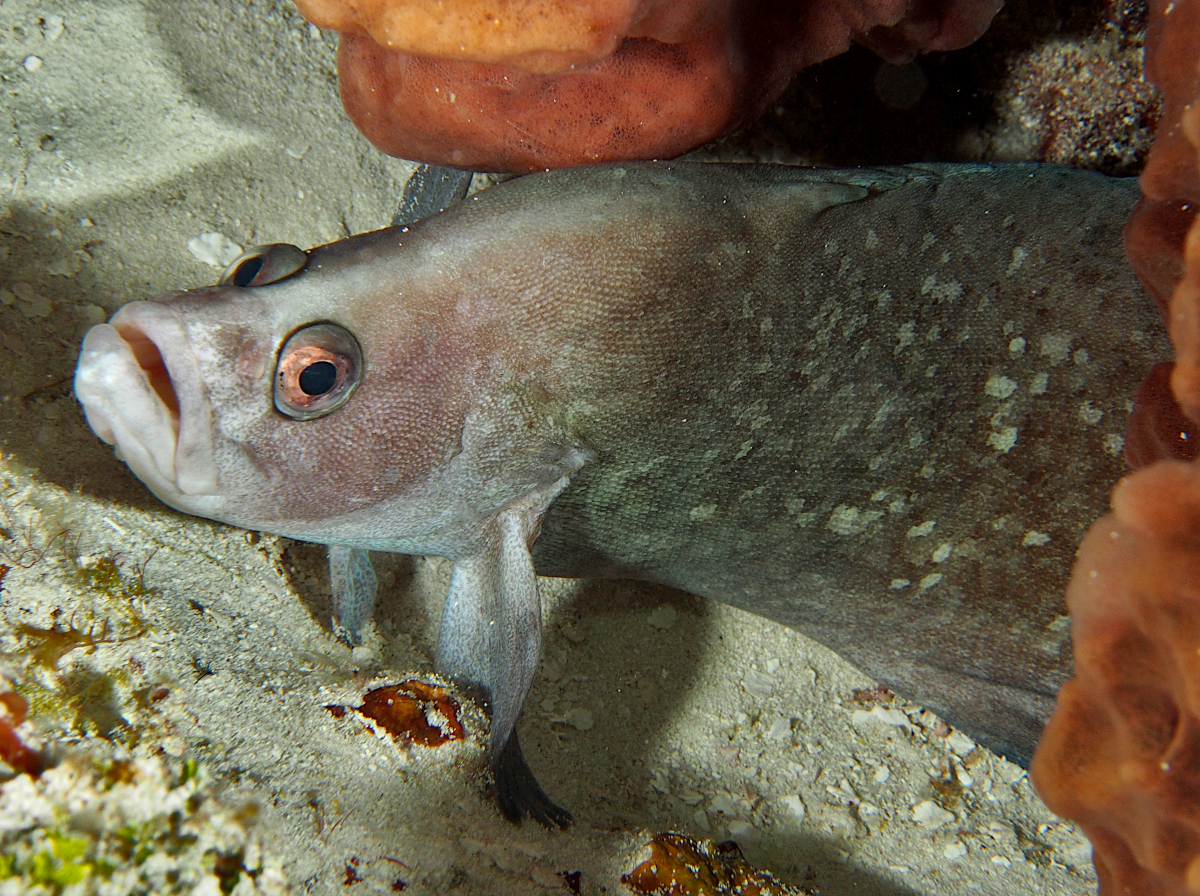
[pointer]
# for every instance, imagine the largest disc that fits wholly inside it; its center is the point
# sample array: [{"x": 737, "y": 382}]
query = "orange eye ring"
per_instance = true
[{"x": 319, "y": 366}]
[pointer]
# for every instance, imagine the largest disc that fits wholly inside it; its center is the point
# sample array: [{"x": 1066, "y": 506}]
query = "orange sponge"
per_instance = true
[
  {"x": 533, "y": 35},
  {"x": 519, "y": 85},
  {"x": 1157, "y": 232},
  {"x": 1121, "y": 754}
]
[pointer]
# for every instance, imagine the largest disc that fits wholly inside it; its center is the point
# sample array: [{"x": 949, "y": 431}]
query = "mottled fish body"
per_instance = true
[{"x": 878, "y": 406}]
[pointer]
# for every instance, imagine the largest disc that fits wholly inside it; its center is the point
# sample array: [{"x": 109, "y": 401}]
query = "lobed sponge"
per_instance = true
[
  {"x": 1121, "y": 754},
  {"x": 520, "y": 85},
  {"x": 1170, "y": 184}
]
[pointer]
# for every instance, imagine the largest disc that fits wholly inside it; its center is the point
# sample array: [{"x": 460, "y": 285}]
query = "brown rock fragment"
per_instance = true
[{"x": 681, "y": 866}]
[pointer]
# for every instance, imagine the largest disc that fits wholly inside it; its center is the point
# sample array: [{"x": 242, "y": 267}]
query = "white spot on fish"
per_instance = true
[
  {"x": 702, "y": 512},
  {"x": 794, "y": 506},
  {"x": 1090, "y": 414},
  {"x": 1081, "y": 357},
  {"x": 880, "y": 495},
  {"x": 1004, "y": 440},
  {"x": 1018, "y": 258},
  {"x": 934, "y": 334},
  {"x": 881, "y": 414},
  {"x": 744, "y": 449},
  {"x": 930, "y": 580},
  {"x": 751, "y": 493},
  {"x": 896, "y": 506},
  {"x": 942, "y": 554},
  {"x": 872, "y": 241},
  {"x": 876, "y": 462},
  {"x": 930, "y": 371},
  {"x": 1000, "y": 386},
  {"x": 941, "y": 292},
  {"x": 847, "y": 520},
  {"x": 915, "y": 439},
  {"x": 1017, "y": 346},
  {"x": 905, "y": 336},
  {"x": 899, "y": 584},
  {"x": 1034, "y": 538},
  {"x": 1056, "y": 347},
  {"x": 1040, "y": 384},
  {"x": 926, "y": 528},
  {"x": 1001, "y": 415},
  {"x": 1113, "y": 444},
  {"x": 928, "y": 241}
]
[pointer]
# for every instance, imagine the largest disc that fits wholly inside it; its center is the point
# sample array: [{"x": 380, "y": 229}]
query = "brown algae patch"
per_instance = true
[
  {"x": 682, "y": 866},
  {"x": 412, "y": 712}
]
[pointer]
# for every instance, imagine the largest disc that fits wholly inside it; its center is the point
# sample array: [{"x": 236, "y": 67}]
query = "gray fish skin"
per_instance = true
[{"x": 877, "y": 406}]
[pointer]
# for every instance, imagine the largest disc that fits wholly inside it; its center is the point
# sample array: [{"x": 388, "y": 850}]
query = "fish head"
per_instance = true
[{"x": 344, "y": 401}]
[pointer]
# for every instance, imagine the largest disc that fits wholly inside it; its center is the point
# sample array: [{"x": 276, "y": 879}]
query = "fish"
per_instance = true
[{"x": 878, "y": 406}]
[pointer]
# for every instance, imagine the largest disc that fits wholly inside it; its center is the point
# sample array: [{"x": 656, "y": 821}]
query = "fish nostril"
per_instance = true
[{"x": 150, "y": 359}]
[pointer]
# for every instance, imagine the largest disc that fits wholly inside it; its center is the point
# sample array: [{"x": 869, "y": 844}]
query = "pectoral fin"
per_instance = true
[
  {"x": 352, "y": 581},
  {"x": 491, "y": 637}
]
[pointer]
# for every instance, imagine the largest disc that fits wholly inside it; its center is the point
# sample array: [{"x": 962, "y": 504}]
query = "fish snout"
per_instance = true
[{"x": 139, "y": 382}]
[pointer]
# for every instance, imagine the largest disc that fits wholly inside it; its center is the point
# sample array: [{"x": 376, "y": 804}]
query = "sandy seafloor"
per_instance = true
[{"x": 134, "y": 126}]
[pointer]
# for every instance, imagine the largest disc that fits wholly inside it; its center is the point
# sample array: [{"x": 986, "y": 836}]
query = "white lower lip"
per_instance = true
[{"x": 171, "y": 452}]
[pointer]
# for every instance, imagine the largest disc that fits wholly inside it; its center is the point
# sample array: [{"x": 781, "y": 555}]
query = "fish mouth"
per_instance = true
[{"x": 140, "y": 386}]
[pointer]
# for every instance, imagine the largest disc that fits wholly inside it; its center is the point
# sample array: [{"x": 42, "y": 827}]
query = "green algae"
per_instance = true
[{"x": 155, "y": 826}]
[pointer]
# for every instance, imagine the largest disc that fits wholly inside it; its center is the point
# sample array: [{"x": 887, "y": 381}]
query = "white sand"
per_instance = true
[{"x": 143, "y": 125}]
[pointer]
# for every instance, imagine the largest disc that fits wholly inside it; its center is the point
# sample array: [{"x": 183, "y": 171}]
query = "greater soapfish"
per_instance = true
[{"x": 877, "y": 406}]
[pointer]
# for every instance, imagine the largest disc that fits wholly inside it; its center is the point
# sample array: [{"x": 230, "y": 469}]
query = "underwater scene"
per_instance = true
[{"x": 609, "y": 447}]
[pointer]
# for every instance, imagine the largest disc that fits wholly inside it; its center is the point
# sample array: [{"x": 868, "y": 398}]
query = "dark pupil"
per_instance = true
[
  {"x": 247, "y": 271},
  {"x": 318, "y": 378}
]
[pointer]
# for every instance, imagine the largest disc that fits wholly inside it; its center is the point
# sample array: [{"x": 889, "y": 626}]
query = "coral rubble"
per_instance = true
[{"x": 98, "y": 823}]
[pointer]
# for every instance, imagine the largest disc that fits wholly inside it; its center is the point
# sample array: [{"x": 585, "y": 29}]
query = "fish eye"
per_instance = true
[
  {"x": 319, "y": 366},
  {"x": 261, "y": 265}
]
